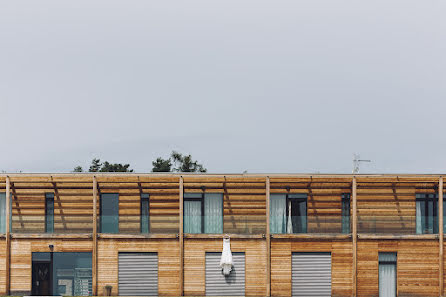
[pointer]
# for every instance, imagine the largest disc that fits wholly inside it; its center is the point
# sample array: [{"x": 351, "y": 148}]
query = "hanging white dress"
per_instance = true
[{"x": 226, "y": 257}]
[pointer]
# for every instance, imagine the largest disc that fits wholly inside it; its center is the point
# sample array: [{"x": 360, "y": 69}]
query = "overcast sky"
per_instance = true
[{"x": 263, "y": 86}]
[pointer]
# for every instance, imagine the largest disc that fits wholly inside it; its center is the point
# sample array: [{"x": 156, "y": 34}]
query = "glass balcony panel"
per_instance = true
[
  {"x": 132, "y": 224},
  {"x": 229, "y": 224},
  {"x": 398, "y": 225},
  {"x": 61, "y": 223},
  {"x": 310, "y": 224}
]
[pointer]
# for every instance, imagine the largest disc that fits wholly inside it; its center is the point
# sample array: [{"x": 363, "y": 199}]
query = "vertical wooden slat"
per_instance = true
[
  {"x": 441, "y": 235},
  {"x": 354, "y": 234},
  {"x": 268, "y": 240},
  {"x": 181, "y": 238},
  {"x": 8, "y": 235},
  {"x": 95, "y": 238}
]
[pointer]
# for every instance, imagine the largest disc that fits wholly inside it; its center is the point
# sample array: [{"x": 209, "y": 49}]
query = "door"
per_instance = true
[
  {"x": 41, "y": 278},
  {"x": 217, "y": 284},
  {"x": 138, "y": 274},
  {"x": 311, "y": 274}
]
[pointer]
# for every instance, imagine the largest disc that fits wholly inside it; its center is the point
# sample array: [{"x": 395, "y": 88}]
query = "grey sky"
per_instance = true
[{"x": 263, "y": 86}]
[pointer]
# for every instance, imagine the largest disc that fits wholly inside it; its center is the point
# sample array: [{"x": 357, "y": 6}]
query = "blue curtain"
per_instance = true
[
  {"x": 213, "y": 211},
  {"x": 387, "y": 274},
  {"x": 192, "y": 216},
  {"x": 277, "y": 212}
]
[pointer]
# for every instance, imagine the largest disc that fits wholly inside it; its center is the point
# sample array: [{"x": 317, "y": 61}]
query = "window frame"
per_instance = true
[
  {"x": 298, "y": 200},
  {"x": 201, "y": 197},
  {"x": 426, "y": 198},
  {"x": 49, "y": 197},
  {"x": 146, "y": 198},
  {"x": 346, "y": 197},
  {"x": 393, "y": 262},
  {"x": 100, "y": 212}
]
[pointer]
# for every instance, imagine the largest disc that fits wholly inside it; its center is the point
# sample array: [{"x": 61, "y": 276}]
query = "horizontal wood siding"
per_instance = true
[
  {"x": 324, "y": 198},
  {"x": 2, "y": 266},
  {"x": 417, "y": 266},
  {"x": 163, "y": 202},
  {"x": 168, "y": 262},
  {"x": 73, "y": 206},
  {"x": 21, "y": 258},
  {"x": 194, "y": 264},
  {"x": 385, "y": 207},
  {"x": 244, "y": 201},
  {"x": 341, "y": 253}
]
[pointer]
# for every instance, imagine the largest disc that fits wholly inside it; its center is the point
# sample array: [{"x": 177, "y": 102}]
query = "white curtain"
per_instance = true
[
  {"x": 420, "y": 217},
  {"x": 387, "y": 275},
  {"x": 289, "y": 223},
  {"x": 192, "y": 217},
  {"x": 213, "y": 211},
  {"x": 277, "y": 212}
]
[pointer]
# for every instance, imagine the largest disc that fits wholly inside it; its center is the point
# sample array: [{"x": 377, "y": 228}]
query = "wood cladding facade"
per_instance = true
[{"x": 385, "y": 215}]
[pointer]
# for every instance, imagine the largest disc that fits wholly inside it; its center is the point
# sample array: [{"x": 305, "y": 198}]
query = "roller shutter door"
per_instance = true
[
  {"x": 138, "y": 274},
  {"x": 219, "y": 285},
  {"x": 311, "y": 274}
]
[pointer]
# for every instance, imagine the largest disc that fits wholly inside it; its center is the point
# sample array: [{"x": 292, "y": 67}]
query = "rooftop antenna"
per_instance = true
[{"x": 356, "y": 161}]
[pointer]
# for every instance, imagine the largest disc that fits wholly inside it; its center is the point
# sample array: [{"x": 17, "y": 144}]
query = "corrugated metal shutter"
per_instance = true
[
  {"x": 138, "y": 274},
  {"x": 311, "y": 274},
  {"x": 219, "y": 285}
]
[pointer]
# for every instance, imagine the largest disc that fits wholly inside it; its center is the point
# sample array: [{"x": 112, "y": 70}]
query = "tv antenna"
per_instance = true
[{"x": 356, "y": 161}]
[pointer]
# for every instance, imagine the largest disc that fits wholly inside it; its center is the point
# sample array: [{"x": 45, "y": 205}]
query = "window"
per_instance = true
[
  {"x": 145, "y": 222},
  {"x": 387, "y": 274},
  {"x": 426, "y": 214},
  {"x": 49, "y": 212},
  {"x": 288, "y": 213},
  {"x": 3, "y": 213},
  {"x": 203, "y": 213},
  {"x": 109, "y": 213},
  {"x": 345, "y": 213}
]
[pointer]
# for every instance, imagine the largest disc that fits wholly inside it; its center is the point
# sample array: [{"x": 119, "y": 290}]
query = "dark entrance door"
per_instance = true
[{"x": 41, "y": 279}]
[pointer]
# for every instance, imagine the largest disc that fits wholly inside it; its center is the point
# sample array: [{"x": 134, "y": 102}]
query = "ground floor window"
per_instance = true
[
  {"x": 387, "y": 274},
  {"x": 64, "y": 274}
]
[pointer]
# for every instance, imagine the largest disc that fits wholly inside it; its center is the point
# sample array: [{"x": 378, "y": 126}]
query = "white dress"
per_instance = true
[{"x": 226, "y": 257}]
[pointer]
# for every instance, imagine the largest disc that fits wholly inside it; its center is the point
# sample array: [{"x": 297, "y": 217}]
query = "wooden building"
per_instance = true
[{"x": 161, "y": 234}]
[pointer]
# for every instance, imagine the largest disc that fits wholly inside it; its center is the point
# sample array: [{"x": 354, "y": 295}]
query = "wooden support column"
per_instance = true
[
  {"x": 95, "y": 237},
  {"x": 181, "y": 237},
  {"x": 354, "y": 234},
  {"x": 441, "y": 235},
  {"x": 268, "y": 240},
  {"x": 8, "y": 236}
]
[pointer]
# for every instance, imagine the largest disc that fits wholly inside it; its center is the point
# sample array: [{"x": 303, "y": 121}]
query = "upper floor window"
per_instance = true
[
  {"x": 288, "y": 213},
  {"x": 345, "y": 213},
  {"x": 203, "y": 213},
  {"x": 2, "y": 212},
  {"x": 145, "y": 222},
  {"x": 109, "y": 213},
  {"x": 49, "y": 212},
  {"x": 426, "y": 213}
]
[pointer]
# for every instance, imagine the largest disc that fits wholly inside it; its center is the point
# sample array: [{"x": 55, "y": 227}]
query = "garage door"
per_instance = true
[
  {"x": 138, "y": 274},
  {"x": 219, "y": 285},
  {"x": 311, "y": 274}
]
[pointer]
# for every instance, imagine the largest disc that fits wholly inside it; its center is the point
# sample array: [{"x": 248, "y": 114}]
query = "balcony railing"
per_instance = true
[
  {"x": 398, "y": 225},
  {"x": 310, "y": 224},
  {"x": 60, "y": 224},
  {"x": 228, "y": 224}
]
